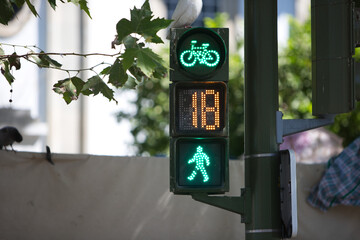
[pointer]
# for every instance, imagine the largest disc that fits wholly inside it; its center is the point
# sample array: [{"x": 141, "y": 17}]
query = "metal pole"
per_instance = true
[{"x": 261, "y": 104}]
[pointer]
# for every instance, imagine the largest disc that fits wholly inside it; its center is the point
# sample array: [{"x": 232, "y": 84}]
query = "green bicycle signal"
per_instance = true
[{"x": 200, "y": 55}]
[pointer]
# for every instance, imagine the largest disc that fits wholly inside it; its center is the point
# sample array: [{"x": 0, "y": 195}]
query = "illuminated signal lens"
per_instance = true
[
  {"x": 213, "y": 109},
  {"x": 201, "y": 162},
  {"x": 200, "y": 52},
  {"x": 200, "y": 107},
  {"x": 199, "y": 72},
  {"x": 199, "y": 55}
]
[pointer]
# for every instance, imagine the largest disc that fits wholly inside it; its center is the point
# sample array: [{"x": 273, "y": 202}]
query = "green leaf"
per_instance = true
[
  {"x": 5, "y": 70},
  {"x": 86, "y": 92},
  {"x": 70, "y": 88},
  {"x": 124, "y": 28},
  {"x": 147, "y": 61},
  {"x": 2, "y": 52},
  {"x": 160, "y": 72},
  {"x": 130, "y": 42},
  {"x": 137, "y": 73},
  {"x": 37, "y": 61},
  {"x": 118, "y": 76},
  {"x": 32, "y": 8},
  {"x": 138, "y": 14},
  {"x": 105, "y": 71},
  {"x": 78, "y": 83},
  {"x": 82, "y": 4},
  {"x": 142, "y": 23},
  {"x": 14, "y": 61},
  {"x": 18, "y": 3},
  {"x": 67, "y": 97},
  {"x": 46, "y": 61},
  {"x": 96, "y": 85},
  {"x": 129, "y": 57},
  {"x": 130, "y": 83},
  {"x": 52, "y": 3},
  {"x": 84, "y": 7},
  {"x": 149, "y": 29},
  {"x": 54, "y": 63},
  {"x": 6, "y": 12}
]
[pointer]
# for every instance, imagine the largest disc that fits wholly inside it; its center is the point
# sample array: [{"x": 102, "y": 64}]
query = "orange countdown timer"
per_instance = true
[{"x": 200, "y": 107}]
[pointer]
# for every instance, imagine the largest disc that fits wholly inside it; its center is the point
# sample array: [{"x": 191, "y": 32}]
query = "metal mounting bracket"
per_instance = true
[
  {"x": 233, "y": 204},
  {"x": 285, "y": 127}
]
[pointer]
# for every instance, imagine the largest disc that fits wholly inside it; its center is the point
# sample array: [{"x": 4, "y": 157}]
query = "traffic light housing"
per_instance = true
[
  {"x": 215, "y": 40},
  {"x": 333, "y": 45},
  {"x": 199, "y": 111}
]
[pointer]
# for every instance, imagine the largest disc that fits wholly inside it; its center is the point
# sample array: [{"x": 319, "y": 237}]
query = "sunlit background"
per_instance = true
[{"x": 89, "y": 125}]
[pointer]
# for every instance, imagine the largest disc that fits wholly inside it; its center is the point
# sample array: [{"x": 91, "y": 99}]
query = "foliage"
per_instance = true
[
  {"x": 7, "y": 8},
  {"x": 236, "y": 103},
  {"x": 347, "y": 125},
  {"x": 134, "y": 61},
  {"x": 219, "y": 20},
  {"x": 150, "y": 121},
  {"x": 295, "y": 85},
  {"x": 137, "y": 66}
]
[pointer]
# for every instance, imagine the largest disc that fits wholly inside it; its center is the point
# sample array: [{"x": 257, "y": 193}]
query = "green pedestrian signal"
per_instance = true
[
  {"x": 200, "y": 159},
  {"x": 199, "y": 111},
  {"x": 199, "y": 165}
]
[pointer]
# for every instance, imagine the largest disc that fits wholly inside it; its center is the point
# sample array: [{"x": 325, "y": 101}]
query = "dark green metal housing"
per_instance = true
[
  {"x": 199, "y": 128},
  {"x": 332, "y": 43},
  {"x": 220, "y": 36},
  {"x": 182, "y": 149}
]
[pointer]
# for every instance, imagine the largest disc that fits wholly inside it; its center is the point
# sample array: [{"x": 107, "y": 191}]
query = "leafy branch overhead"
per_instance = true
[
  {"x": 7, "y": 8},
  {"x": 134, "y": 61}
]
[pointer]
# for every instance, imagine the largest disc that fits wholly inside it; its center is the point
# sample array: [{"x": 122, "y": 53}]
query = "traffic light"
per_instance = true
[
  {"x": 199, "y": 111},
  {"x": 333, "y": 44}
]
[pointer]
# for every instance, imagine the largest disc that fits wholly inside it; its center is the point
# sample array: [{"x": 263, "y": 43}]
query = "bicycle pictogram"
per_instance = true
[{"x": 200, "y": 54}]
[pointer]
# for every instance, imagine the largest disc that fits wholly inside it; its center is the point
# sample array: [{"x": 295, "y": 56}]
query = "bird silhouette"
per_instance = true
[
  {"x": 9, "y": 135},
  {"x": 48, "y": 155},
  {"x": 186, "y": 12}
]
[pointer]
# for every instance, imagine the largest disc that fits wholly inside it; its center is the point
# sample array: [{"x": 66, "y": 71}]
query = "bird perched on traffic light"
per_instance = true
[
  {"x": 9, "y": 135},
  {"x": 186, "y": 12}
]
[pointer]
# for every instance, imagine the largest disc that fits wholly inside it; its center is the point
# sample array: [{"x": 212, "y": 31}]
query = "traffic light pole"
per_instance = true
[
  {"x": 267, "y": 204},
  {"x": 261, "y": 104}
]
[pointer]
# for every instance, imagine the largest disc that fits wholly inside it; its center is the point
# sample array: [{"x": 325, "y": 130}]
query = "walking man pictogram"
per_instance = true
[{"x": 200, "y": 160}]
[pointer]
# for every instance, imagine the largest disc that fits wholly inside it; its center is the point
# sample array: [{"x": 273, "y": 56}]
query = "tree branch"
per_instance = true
[{"x": 59, "y": 54}]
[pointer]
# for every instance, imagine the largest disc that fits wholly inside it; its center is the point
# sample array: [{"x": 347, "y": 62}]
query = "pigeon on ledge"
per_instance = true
[
  {"x": 9, "y": 135},
  {"x": 186, "y": 12}
]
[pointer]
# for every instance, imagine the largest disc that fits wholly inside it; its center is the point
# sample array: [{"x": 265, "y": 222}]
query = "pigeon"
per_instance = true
[
  {"x": 186, "y": 12},
  {"x": 9, "y": 135}
]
